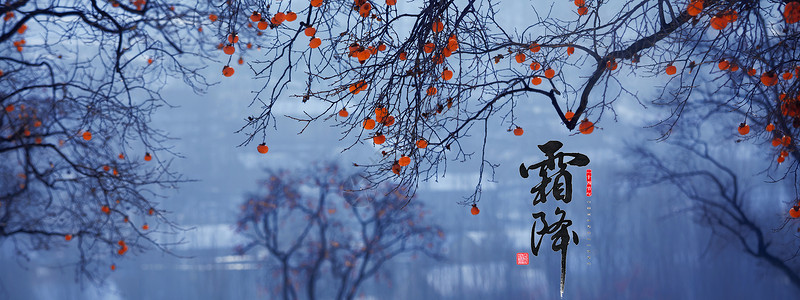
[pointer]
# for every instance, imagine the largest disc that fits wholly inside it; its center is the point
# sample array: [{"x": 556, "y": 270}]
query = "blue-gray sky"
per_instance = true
[{"x": 641, "y": 244}]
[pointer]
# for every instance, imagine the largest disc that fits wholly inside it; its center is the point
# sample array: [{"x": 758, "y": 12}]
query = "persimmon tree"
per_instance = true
[
  {"x": 80, "y": 164},
  {"x": 326, "y": 230},
  {"x": 397, "y": 73},
  {"x": 717, "y": 198}
]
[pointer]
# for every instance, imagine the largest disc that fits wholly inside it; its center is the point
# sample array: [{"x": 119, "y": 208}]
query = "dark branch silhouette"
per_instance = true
[
  {"x": 80, "y": 165},
  {"x": 320, "y": 226},
  {"x": 719, "y": 202},
  {"x": 430, "y": 70}
]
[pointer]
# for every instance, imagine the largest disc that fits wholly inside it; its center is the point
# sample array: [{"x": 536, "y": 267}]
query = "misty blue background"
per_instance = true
[{"x": 641, "y": 244}]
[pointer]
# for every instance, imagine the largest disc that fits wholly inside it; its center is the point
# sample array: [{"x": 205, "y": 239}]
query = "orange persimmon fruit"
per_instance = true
[
  {"x": 437, "y": 26},
  {"x": 569, "y": 115},
  {"x": 794, "y": 212},
  {"x": 262, "y": 148},
  {"x": 447, "y": 74},
  {"x": 744, "y": 129},
  {"x": 586, "y": 126},
  {"x": 671, "y": 70},
  {"x": 431, "y": 91},
  {"x": 520, "y": 58},
  {"x": 695, "y": 7},
  {"x": 404, "y": 161},
  {"x": 314, "y": 43},
  {"x": 369, "y": 124},
  {"x": 791, "y": 12},
  {"x": 769, "y": 78},
  {"x": 291, "y": 16},
  {"x": 549, "y": 73},
  {"x": 227, "y": 71},
  {"x": 255, "y": 17},
  {"x": 229, "y": 49},
  {"x": 379, "y": 139}
]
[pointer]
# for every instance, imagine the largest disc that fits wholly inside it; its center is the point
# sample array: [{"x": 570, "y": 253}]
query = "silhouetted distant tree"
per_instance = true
[
  {"x": 325, "y": 237},
  {"x": 719, "y": 200}
]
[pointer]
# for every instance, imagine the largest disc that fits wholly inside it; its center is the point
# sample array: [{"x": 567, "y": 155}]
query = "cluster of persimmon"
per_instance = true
[
  {"x": 769, "y": 78},
  {"x": 311, "y": 32},
  {"x": 107, "y": 210},
  {"x": 405, "y": 160},
  {"x": 790, "y": 106},
  {"x": 438, "y": 57},
  {"x": 718, "y": 21},
  {"x": 778, "y": 139},
  {"x": 783, "y": 140},
  {"x": 358, "y": 87},
  {"x": 25, "y": 121},
  {"x": 586, "y": 126},
  {"x": 383, "y": 117},
  {"x": 362, "y": 54},
  {"x": 535, "y": 66},
  {"x": 721, "y": 20},
  {"x": 364, "y": 8},
  {"x": 275, "y": 21},
  {"x": 21, "y": 30},
  {"x": 262, "y": 23},
  {"x": 582, "y": 9},
  {"x": 123, "y": 247},
  {"x": 19, "y": 44},
  {"x": 106, "y": 168}
]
